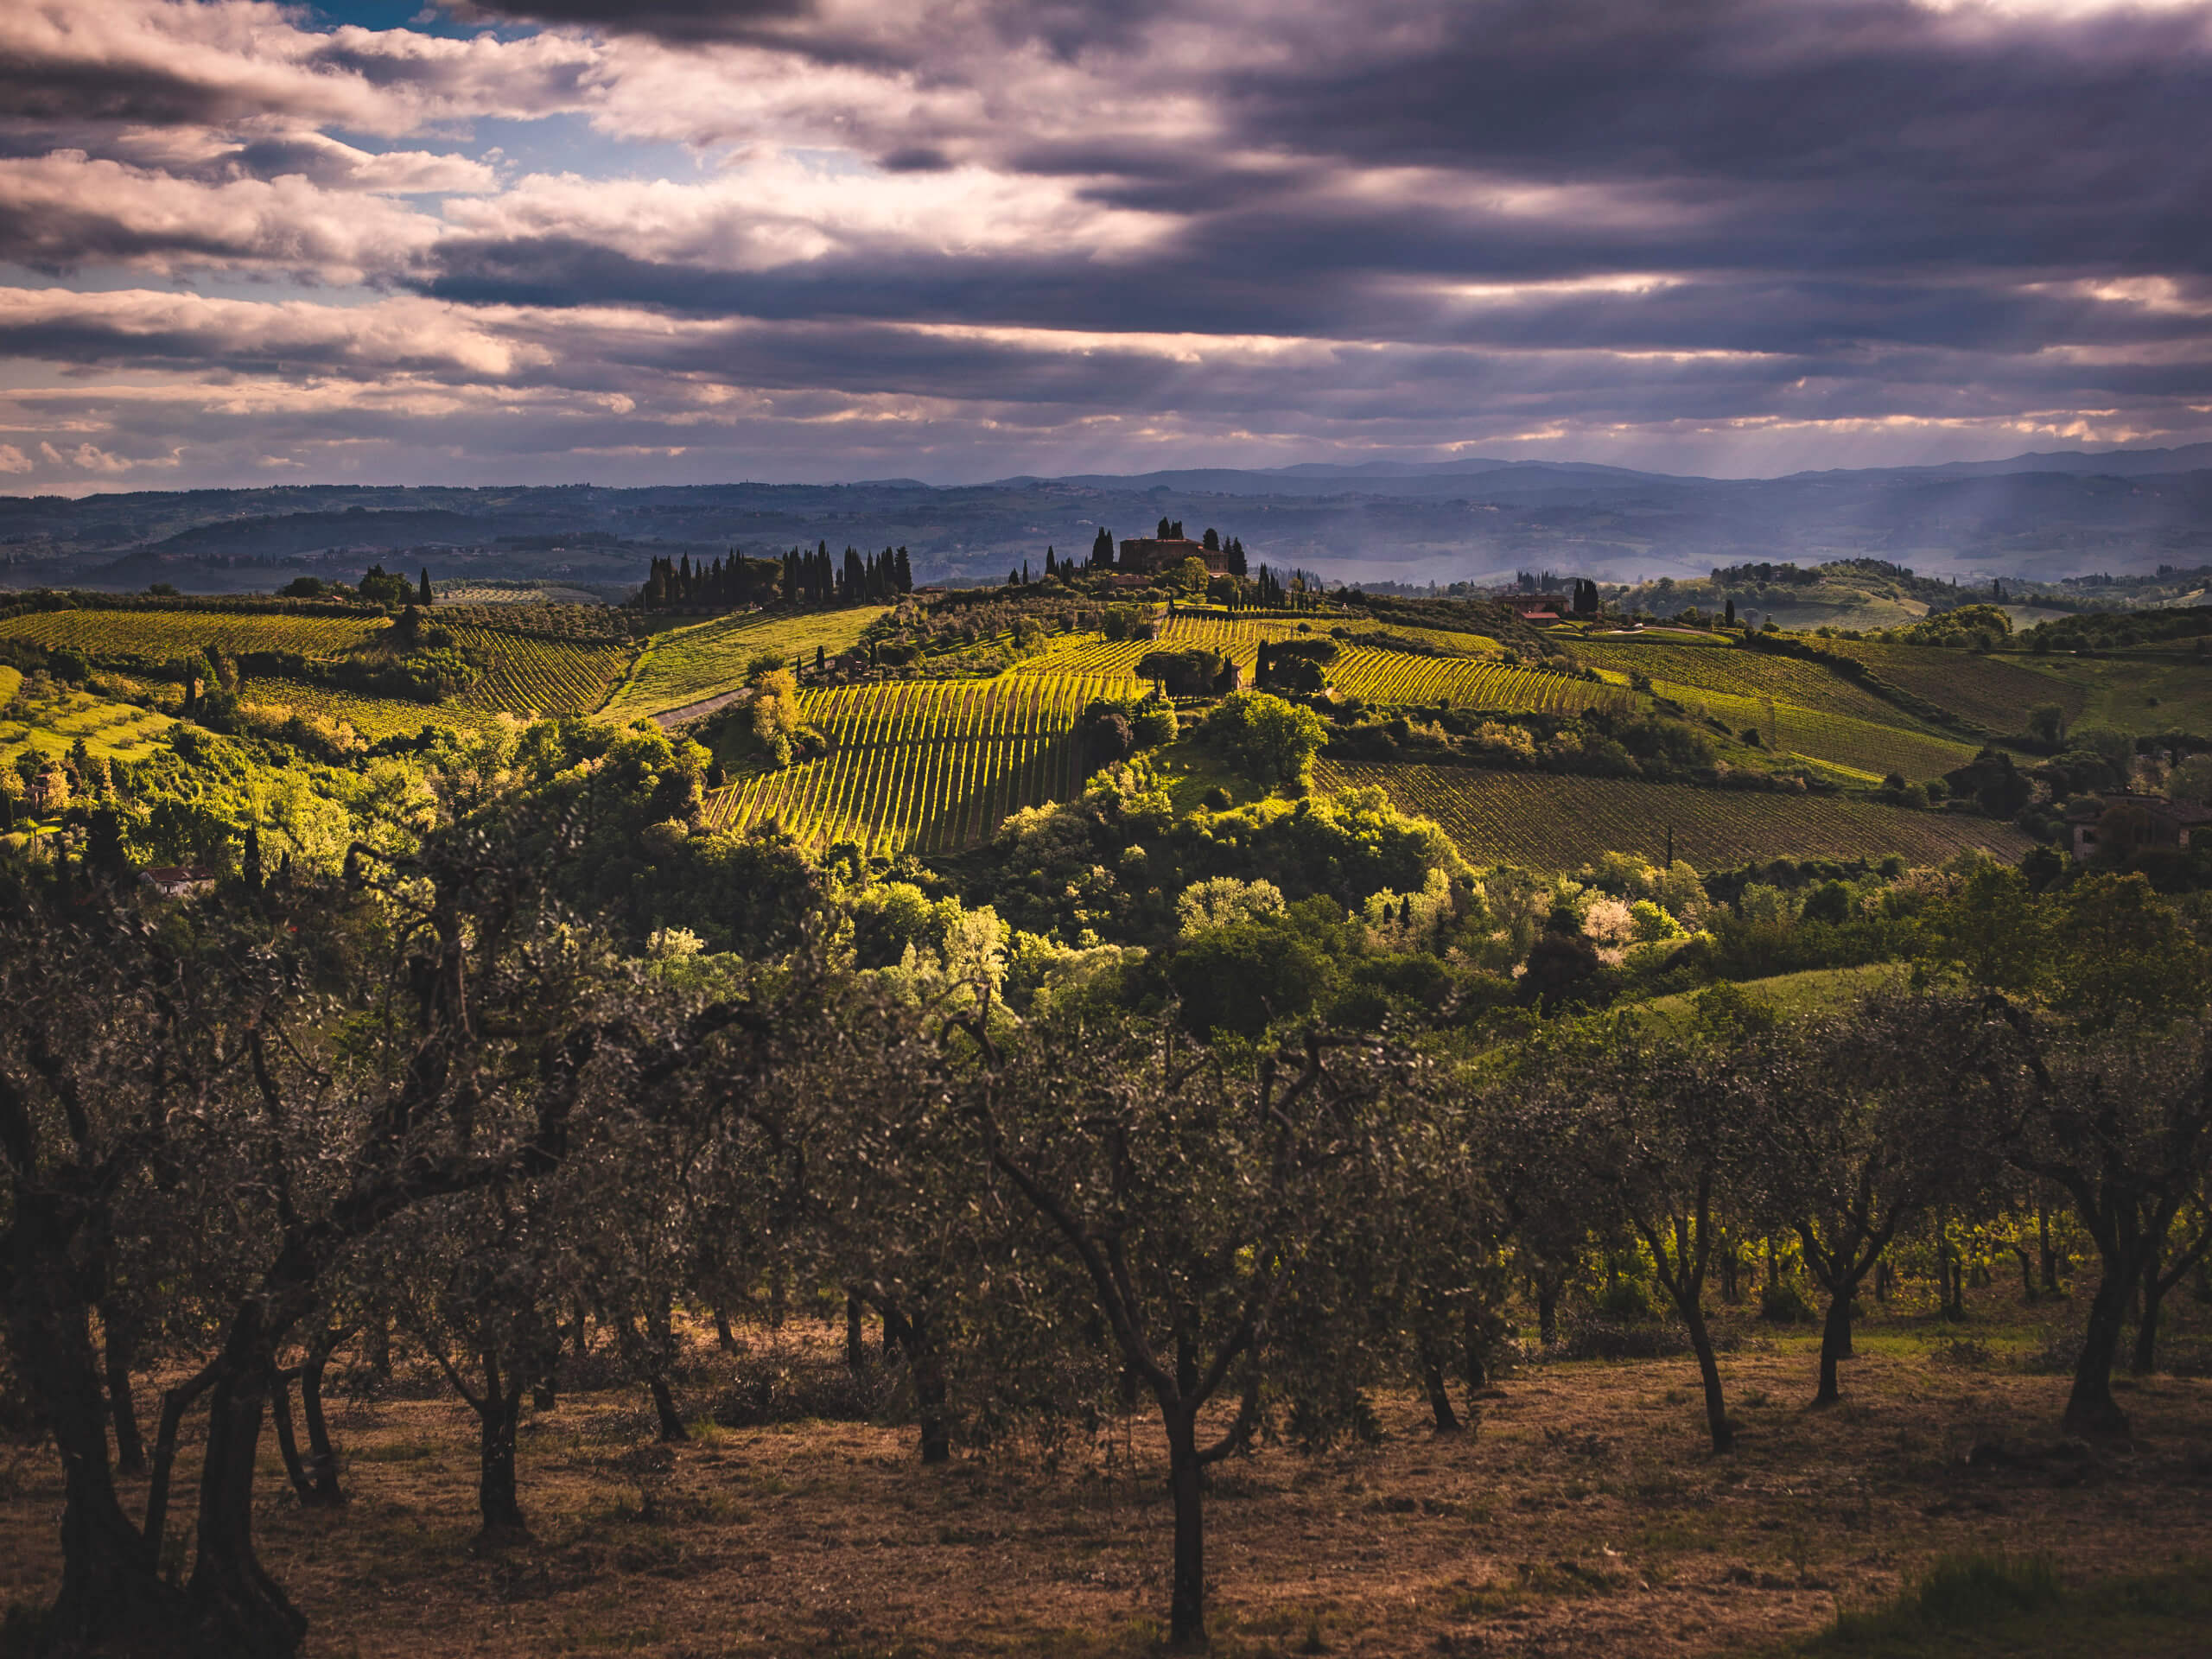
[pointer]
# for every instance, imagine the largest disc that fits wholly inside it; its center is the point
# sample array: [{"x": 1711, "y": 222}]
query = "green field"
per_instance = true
[
  {"x": 2133, "y": 693},
  {"x": 1862, "y": 749},
  {"x": 1562, "y": 824},
  {"x": 119, "y": 730},
  {"x": 930, "y": 766},
  {"x": 687, "y": 666},
  {"x": 1993, "y": 692},
  {"x": 156, "y": 636},
  {"x": 373, "y": 719},
  {"x": 1736, "y": 672}
]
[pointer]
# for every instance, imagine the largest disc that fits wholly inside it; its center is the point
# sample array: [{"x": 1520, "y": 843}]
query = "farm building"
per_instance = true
[
  {"x": 2115, "y": 826},
  {"x": 178, "y": 881},
  {"x": 1533, "y": 607}
]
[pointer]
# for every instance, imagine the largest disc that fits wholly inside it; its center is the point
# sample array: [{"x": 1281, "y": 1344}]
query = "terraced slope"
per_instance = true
[
  {"x": 156, "y": 636},
  {"x": 931, "y": 765},
  {"x": 1562, "y": 824},
  {"x": 687, "y": 666}
]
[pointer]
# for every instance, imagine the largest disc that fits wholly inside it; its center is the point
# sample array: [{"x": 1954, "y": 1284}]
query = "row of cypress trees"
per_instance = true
[
  {"x": 815, "y": 579},
  {"x": 731, "y": 583}
]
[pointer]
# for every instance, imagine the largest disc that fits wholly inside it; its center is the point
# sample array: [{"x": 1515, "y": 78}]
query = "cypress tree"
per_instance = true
[
  {"x": 250, "y": 867},
  {"x": 1051, "y": 570},
  {"x": 423, "y": 593},
  {"x": 905, "y": 573},
  {"x": 1101, "y": 549}
]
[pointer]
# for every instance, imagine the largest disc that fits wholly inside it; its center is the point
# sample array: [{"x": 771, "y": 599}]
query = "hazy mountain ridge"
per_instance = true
[{"x": 2037, "y": 516}]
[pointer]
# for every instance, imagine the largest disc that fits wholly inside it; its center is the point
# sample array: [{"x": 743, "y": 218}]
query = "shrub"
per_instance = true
[
  {"x": 1784, "y": 1304},
  {"x": 1625, "y": 1301},
  {"x": 795, "y": 1387}
]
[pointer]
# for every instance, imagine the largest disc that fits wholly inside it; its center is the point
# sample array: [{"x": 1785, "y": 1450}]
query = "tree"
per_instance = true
[
  {"x": 1273, "y": 741},
  {"x": 2119, "y": 1116},
  {"x": 1663, "y": 1123},
  {"x": 481, "y": 1285},
  {"x": 422, "y": 595},
  {"x": 1861, "y": 1146},
  {"x": 1190, "y": 1197},
  {"x": 379, "y": 587}
]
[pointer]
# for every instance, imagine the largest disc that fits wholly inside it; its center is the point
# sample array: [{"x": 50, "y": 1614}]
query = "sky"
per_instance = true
[{"x": 688, "y": 241}]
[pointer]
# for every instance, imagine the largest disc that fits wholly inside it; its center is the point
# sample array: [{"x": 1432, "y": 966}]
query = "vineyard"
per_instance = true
[
  {"x": 1392, "y": 676},
  {"x": 930, "y": 766},
  {"x": 1364, "y": 671},
  {"x": 1562, "y": 824},
  {"x": 156, "y": 636},
  {"x": 530, "y": 673},
  {"x": 686, "y": 665}
]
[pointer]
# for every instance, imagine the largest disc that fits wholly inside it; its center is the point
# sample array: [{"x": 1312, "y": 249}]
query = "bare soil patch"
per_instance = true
[{"x": 1583, "y": 1515}]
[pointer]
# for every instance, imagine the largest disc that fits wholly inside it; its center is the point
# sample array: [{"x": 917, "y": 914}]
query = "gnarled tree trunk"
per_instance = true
[
  {"x": 112, "y": 1598},
  {"x": 234, "y": 1606},
  {"x": 119, "y": 1346}
]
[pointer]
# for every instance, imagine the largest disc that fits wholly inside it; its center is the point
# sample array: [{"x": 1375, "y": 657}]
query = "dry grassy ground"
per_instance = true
[{"x": 1583, "y": 1515}]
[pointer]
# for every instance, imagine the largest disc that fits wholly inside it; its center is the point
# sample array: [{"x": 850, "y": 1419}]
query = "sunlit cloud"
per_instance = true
[{"x": 968, "y": 237}]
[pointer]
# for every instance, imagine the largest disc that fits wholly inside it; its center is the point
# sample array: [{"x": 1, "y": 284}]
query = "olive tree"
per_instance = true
[
  {"x": 1192, "y": 1194},
  {"x": 1861, "y": 1145}
]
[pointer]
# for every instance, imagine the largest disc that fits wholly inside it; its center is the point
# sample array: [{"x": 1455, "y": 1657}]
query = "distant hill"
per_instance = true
[{"x": 2033, "y": 517}]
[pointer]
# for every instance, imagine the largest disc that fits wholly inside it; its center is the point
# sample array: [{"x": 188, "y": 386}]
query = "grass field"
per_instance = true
[
  {"x": 1583, "y": 1514},
  {"x": 1865, "y": 750},
  {"x": 1993, "y": 692},
  {"x": 687, "y": 665},
  {"x": 156, "y": 636},
  {"x": 1735, "y": 671},
  {"x": 932, "y": 765},
  {"x": 2135, "y": 695},
  {"x": 1561, "y": 823},
  {"x": 373, "y": 719},
  {"x": 121, "y": 731}
]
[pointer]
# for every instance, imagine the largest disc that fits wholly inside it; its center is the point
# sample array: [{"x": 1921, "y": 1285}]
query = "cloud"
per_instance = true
[
  {"x": 216, "y": 62},
  {"x": 13, "y": 460},
  {"x": 1001, "y": 233},
  {"x": 67, "y": 209}
]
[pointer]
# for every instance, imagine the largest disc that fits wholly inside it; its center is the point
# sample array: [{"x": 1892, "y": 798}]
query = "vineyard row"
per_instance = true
[{"x": 926, "y": 766}]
